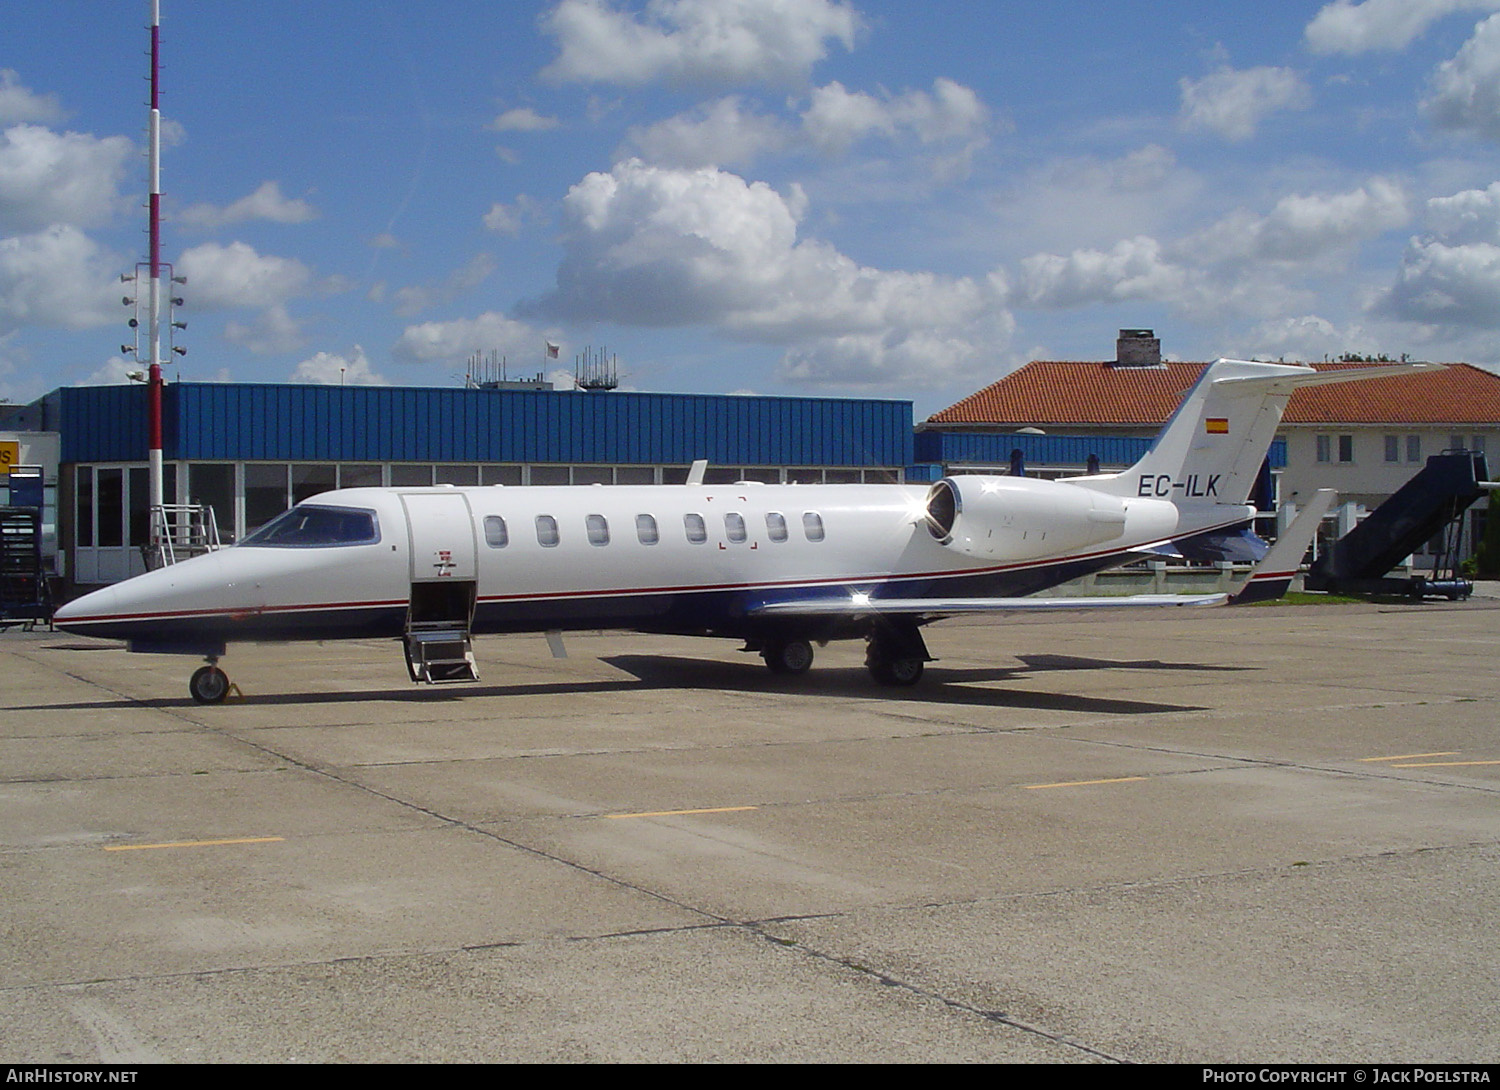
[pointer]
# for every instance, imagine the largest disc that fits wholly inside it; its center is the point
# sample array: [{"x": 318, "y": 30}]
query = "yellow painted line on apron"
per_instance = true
[
  {"x": 1446, "y": 764},
  {"x": 675, "y": 813},
  {"x": 1408, "y": 756},
  {"x": 1080, "y": 783},
  {"x": 194, "y": 843}
]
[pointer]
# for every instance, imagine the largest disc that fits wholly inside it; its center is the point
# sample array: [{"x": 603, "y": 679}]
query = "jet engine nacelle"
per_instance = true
[{"x": 1020, "y": 518}]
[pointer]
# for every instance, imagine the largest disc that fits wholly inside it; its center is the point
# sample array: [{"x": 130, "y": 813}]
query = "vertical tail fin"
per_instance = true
[{"x": 1211, "y": 449}]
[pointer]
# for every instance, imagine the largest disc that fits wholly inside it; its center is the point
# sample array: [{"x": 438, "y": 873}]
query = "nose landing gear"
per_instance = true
[{"x": 209, "y": 684}]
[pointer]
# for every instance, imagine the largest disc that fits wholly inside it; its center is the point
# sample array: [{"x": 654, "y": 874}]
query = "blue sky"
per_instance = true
[{"x": 776, "y": 196}]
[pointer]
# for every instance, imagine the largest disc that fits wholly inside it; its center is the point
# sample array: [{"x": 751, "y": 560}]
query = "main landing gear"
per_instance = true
[
  {"x": 896, "y": 655},
  {"x": 788, "y": 656},
  {"x": 209, "y": 684}
]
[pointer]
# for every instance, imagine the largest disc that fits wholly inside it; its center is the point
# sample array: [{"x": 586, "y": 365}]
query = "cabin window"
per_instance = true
[
  {"x": 734, "y": 526},
  {"x": 645, "y": 529},
  {"x": 697, "y": 529},
  {"x": 496, "y": 536},
  {"x": 598, "y": 529},
  {"x": 776, "y": 525},
  {"x": 546, "y": 531},
  {"x": 812, "y": 525},
  {"x": 312, "y": 526}
]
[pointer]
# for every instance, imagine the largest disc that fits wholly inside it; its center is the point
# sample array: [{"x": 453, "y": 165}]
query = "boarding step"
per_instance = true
[{"x": 439, "y": 655}]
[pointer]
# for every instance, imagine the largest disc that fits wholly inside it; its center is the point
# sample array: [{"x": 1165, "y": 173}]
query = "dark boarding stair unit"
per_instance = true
[
  {"x": 25, "y": 590},
  {"x": 25, "y": 594},
  {"x": 1429, "y": 506}
]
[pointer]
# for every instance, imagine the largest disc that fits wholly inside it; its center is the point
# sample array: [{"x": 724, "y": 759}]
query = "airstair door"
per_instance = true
[
  {"x": 442, "y": 536},
  {"x": 443, "y": 587}
]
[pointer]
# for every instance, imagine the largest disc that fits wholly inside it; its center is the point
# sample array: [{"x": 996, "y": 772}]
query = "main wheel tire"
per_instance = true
[
  {"x": 899, "y": 672},
  {"x": 788, "y": 657},
  {"x": 209, "y": 685}
]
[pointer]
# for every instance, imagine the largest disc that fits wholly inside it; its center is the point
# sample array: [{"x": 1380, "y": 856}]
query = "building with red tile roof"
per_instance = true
[{"x": 1363, "y": 438}]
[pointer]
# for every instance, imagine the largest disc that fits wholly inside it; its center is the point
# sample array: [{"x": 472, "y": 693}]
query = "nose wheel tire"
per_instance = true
[
  {"x": 209, "y": 685},
  {"x": 788, "y": 657}
]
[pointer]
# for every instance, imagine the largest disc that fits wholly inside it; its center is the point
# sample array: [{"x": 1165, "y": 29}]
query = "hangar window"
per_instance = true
[
  {"x": 812, "y": 525},
  {"x": 734, "y": 526},
  {"x": 645, "y": 529},
  {"x": 546, "y": 531},
  {"x": 776, "y": 525},
  {"x": 496, "y": 536},
  {"x": 598, "y": 529},
  {"x": 312, "y": 526},
  {"x": 697, "y": 529}
]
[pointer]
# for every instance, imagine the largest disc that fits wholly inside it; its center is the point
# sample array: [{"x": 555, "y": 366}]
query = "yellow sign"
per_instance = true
[{"x": 10, "y": 454}]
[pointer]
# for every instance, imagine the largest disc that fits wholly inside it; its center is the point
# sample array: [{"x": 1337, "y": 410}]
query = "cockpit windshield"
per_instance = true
[{"x": 309, "y": 526}]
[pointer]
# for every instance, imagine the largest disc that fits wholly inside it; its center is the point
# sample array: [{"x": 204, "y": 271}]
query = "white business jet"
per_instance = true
[{"x": 779, "y": 566}]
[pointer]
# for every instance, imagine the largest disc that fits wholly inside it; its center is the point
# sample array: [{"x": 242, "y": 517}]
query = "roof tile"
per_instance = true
[{"x": 1065, "y": 393}]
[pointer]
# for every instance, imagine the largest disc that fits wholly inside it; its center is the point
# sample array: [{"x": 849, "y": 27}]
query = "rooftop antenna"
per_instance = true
[{"x": 596, "y": 370}]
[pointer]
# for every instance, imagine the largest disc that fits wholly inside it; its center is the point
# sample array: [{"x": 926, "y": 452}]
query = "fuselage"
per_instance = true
[{"x": 691, "y": 559}]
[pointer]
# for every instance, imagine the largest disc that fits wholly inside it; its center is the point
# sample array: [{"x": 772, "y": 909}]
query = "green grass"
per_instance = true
[{"x": 1310, "y": 598}]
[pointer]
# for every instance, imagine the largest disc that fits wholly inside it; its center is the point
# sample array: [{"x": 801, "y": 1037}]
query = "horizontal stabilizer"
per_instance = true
[{"x": 1285, "y": 382}]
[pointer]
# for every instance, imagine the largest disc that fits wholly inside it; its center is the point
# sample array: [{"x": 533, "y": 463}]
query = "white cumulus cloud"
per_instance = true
[
  {"x": 709, "y": 42},
  {"x": 456, "y": 340},
  {"x": 1134, "y": 268},
  {"x": 235, "y": 275},
  {"x": 266, "y": 203},
  {"x": 1470, "y": 216},
  {"x": 651, "y": 246},
  {"x": 55, "y": 178},
  {"x": 18, "y": 103},
  {"x": 523, "y": 119},
  {"x": 1233, "y": 102},
  {"x": 59, "y": 278},
  {"x": 508, "y": 219},
  {"x": 721, "y": 133},
  {"x": 270, "y": 332},
  {"x": 1450, "y": 276},
  {"x": 331, "y": 369},
  {"x": 418, "y": 297},
  {"x": 837, "y": 117},
  {"x": 1302, "y": 227},
  {"x": 1466, "y": 89},
  {"x": 1346, "y": 27}
]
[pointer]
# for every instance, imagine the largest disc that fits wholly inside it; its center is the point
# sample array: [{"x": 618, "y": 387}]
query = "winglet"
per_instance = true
[{"x": 1273, "y": 575}]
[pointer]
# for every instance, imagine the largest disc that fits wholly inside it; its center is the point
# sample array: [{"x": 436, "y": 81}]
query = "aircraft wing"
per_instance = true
[{"x": 859, "y": 605}]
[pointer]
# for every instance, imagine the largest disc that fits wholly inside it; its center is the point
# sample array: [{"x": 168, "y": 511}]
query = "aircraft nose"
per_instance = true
[{"x": 139, "y": 606}]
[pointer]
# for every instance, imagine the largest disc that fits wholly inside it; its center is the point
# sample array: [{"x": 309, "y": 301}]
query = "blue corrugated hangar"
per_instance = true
[{"x": 251, "y": 451}]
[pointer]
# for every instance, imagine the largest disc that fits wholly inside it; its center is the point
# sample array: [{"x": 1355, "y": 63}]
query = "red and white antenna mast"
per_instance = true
[
  {"x": 157, "y": 291},
  {"x": 153, "y": 175}
]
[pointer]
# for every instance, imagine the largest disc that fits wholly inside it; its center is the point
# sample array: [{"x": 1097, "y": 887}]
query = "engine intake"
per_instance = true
[{"x": 1019, "y": 518}]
